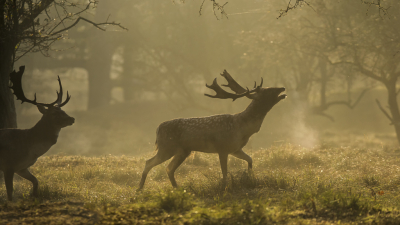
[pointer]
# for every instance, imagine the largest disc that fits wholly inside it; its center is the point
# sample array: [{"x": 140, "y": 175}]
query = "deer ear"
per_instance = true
[
  {"x": 254, "y": 95},
  {"x": 42, "y": 109}
]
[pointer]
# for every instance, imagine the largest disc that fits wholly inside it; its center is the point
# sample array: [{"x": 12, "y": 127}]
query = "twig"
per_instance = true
[
  {"x": 359, "y": 97},
  {"x": 62, "y": 20},
  {"x": 298, "y": 3},
  {"x": 319, "y": 110},
  {"x": 217, "y": 6},
  {"x": 379, "y": 5},
  {"x": 91, "y": 22},
  {"x": 201, "y": 7}
]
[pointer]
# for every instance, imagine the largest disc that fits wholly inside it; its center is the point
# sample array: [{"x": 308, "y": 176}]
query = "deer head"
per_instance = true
[
  {"x": 270, "y": 95},
  {"x": 52, "y": 112}
]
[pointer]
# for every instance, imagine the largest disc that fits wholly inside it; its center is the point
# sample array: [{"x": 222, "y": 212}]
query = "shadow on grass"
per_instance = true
[
  {"x": 34, "y": 212},
  {"x": 45, "y": 193}
]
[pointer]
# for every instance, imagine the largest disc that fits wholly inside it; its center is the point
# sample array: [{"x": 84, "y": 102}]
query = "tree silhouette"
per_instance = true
[{"x": 33, "y": 26}]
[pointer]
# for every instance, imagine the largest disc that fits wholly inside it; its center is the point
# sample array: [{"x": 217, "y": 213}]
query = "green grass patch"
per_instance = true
[{"x": 288, "y": 185}]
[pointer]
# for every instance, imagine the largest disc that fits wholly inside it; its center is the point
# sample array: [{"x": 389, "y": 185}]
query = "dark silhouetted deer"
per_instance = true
[
  {"x": 20, "y": 148},
  {"x": 223, "y": 134}
]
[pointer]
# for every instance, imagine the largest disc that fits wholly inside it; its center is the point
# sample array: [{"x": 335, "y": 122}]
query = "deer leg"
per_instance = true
[
  {"x": 156, "y": 160},
  {"x": 27, "y": 175},
  {"x": 223, "y": 160},
  {"x": 174, "y": 164},
  {"x": 8, "y": 178},
  {"x": 242, "y": 155}
]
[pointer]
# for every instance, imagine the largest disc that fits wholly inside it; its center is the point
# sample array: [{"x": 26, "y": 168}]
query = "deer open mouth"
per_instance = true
[{"x": 282, "y": 96}]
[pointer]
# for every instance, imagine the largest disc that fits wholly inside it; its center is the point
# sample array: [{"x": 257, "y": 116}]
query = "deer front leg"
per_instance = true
[
  {"x": 174, "y": 164},
  {"x": 223, "y": 160},
  {"x": 8, "y": 178},
  {"x": 25, "y": 173},
  {"x": 242, "y": 155}
]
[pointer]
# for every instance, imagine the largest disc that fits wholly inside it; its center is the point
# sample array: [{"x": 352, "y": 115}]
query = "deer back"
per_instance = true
[{"x": 206, "y": 134}]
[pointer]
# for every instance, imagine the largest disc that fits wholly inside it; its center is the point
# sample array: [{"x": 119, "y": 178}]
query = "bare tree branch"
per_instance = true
[
  {"x": 377, "y": 3},
  {"x": 91, "y": 22},
  {"x": 384, "y": 111},
  {"x": 31, "y": 26},
  {"x": 216, "y": 7},
  {"x": 39, "y": 8},
  {"x": 319, "y": 110},
  {"x": 298, "y": 3},
  {"x": 348, "y": 103},
  {"x": 325, "y": 115},
  {"x": 358, "y": 65}
]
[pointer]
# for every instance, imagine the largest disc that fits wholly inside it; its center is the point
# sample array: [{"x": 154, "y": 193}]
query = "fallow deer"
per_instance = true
[
  {"x": 20, "y": 148},
  {"x": 223, "y": 134}
]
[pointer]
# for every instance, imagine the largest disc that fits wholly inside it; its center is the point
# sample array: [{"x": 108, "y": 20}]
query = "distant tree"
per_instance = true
[
  {"x": 170, "y": 58},
  {"x": 382, "y": 6},
  {"x": 371, "y": 45},
  {"x": 296, "y": 50},
  {"x": 33, "y": 26}
]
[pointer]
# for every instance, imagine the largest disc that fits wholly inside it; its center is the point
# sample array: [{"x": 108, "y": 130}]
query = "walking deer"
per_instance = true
[
  {"x": 20, "y": 148},
  {"x": 223, "y": 134}
]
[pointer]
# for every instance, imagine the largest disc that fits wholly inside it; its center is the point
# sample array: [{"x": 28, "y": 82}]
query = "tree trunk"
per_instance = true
[
  {"x": 98, "y": 66},
  {"x": 394, "y": 107},
  {"x": 8, "y": 117},
  {"x": 128, "y": 74}
]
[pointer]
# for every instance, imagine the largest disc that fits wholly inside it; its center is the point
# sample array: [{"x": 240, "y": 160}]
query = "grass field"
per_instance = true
[{"x": 329, "y": 184}]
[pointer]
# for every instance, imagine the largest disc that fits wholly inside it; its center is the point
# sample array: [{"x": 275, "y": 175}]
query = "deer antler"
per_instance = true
[
  {"x": 16, "y": 80},
  {"x": 222, "y": 94},
  {"x": 60, "y": 95},
  {"x": 234, "y": 86}
]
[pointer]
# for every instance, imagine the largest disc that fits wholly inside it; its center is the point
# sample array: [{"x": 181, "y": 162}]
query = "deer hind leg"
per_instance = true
[
  {"x": 174, "y": 164},
  {"x": 156, "y": 160},
  {"x": 242, "y": 155},
  {"x": 25, "y": 173},
  {"x": 223, "y": 160},
  {"x": 8, "y": 178}
]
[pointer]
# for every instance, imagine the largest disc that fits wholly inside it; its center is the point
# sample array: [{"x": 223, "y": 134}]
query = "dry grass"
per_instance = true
[{"x": 289, "y": 184}]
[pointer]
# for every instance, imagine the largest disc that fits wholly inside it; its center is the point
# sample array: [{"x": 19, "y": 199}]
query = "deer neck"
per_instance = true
[
  {"x": 253, "y": 116},
  {"x": 44, "y": 135}
]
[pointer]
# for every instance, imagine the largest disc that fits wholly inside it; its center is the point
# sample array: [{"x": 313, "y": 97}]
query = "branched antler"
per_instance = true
[
  {"x": 60, "y": 95},
  {"x": 16, "y": 80},
  {"x": 234, "y": 86},
  {"x": 222, "y": 94}
]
